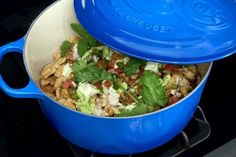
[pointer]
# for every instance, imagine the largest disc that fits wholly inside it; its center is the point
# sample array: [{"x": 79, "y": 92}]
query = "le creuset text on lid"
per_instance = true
[{"x": 170, "y": 31}]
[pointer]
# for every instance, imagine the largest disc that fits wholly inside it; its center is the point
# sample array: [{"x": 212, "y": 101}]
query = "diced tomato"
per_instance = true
[
  {"x": 140, "y": 71},
  {"x": 179, "y": 71},
  {"x": 98, "y": 84},
  {"x": 116, "y": 56},
  {"x": 107, "y": 84},
  {"x": 139, "y": 90},
  {"x": 66, "y": 84},
  {"x": 48, "y": 89},
  {"x": 193, "y": 83},
  {"x": 173, "y": 100},
  {"x": 169, "y": 67},
  {"x": 122, "y": 77},
  {"x": 126, "y": 98},
  {"x": 117, "y": 71},
  {"x": 101, "y": 64},
  {"x": 111, "y": 64},
  {"x": 132, "y": 82}
]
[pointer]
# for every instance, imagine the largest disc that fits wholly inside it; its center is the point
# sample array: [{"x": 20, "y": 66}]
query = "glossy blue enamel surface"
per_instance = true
[
  {"x": 174, "y": 31},
  {"x": 30, "y": 90},
  {"x": 109, "y": 135},
  {"x": 121, "y": 135}
]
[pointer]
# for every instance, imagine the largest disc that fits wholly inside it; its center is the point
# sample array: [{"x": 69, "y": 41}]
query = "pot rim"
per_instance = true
[{"x": 95, "y": 116}]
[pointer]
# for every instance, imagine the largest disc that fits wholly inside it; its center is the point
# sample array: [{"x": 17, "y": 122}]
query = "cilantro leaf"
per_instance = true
[
  {"x": 85, "y": 44},
  {"x": 153, "y": 92},
  {"x": 79, "y": 30},
  {"x": 92, "y": 42},
  {"x": 65, "y": 47},
  {"x": 80, "y": 65},
  {"x": 132, "y": 66},
  {"x": 105, "y": 76},
  {"x": 121, "y": 65},
  {"x": 88, "y": 74},
  {"x": 86, "y": 41},
  {"x": 92, "y": 74},
  {"x": 137, "y": 110}
]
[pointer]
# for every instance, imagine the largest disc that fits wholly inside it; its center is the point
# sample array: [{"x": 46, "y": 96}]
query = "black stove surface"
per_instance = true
[{"x": 25, "y": 132}]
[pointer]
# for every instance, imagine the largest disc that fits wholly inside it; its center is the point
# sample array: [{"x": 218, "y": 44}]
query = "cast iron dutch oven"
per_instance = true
[{"x": 167, "y": 31}]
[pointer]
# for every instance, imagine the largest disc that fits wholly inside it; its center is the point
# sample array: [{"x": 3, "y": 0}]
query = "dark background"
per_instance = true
[{"x": 25, "y": 132}]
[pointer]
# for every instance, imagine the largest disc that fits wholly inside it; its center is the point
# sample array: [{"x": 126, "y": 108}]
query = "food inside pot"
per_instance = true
[{"x": 87, "y": 76}]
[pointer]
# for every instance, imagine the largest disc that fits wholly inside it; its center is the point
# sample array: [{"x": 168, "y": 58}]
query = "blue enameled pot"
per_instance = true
[{"x": 110, "y": 135}]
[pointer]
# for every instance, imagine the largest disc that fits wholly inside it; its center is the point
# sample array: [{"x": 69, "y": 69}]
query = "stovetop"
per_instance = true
[{"x": 25, "y": 132}]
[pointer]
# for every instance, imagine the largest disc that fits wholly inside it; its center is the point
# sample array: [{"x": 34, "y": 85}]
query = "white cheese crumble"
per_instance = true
[
  {"x": 95, "y": 58},
  {"x": 98, "y": 111},
  {"x": 116, "y": 66},
  {"x": 111, "y": 95},
  {"x": 152, "y": 66},
  {"x": 66, "y": 70},
  {"x": 75, "y": 52},
  {"x": 175, "y": 92},
  {"x": 73, "y": 84},
  {"x": 87, "y": 89},
  {"x": 125, "y": 60},
  {"x": 129, "y": 107}
]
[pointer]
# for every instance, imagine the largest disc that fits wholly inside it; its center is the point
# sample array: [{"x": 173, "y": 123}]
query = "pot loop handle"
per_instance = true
[{"x": 30, "y": 90}]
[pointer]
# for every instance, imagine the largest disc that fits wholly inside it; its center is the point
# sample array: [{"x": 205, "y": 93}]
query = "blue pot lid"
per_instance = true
[{"x": 170, "y": 31}]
